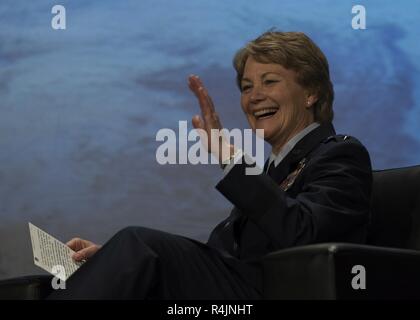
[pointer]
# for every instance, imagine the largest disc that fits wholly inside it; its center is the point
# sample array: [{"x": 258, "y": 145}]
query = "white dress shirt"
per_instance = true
[
  {"x": 290, "y": 145},
  {"x": 283, "y": 152}
]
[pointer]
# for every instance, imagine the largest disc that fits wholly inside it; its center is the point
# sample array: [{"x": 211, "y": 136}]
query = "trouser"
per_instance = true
[{"x": 142, "y": 263}]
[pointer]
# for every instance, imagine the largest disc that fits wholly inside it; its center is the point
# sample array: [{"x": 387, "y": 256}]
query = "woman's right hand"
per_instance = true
[
  {"x": 84, "y": 248},
  {"x": 209, "y": 122}
]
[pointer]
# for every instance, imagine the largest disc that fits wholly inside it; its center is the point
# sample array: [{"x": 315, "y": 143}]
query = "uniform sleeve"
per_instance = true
[{"x": 334, "y": 197}]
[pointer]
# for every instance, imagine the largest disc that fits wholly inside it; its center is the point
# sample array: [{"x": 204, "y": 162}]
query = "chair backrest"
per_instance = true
[{"x": 396, "y": 208}]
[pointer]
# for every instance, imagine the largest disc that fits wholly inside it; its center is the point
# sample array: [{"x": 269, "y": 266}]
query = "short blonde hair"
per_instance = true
[{"x": 295, "y": 51}]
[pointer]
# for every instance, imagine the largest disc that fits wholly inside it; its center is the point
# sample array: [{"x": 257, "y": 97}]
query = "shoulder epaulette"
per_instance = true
[{"x": 337, "y": 137}]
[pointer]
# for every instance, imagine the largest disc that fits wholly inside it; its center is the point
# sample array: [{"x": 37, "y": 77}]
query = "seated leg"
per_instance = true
[{"x": 142, "y": 263}]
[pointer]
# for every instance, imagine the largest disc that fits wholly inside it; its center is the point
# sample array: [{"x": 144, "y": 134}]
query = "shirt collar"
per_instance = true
[{"x": 291, "y": 144}]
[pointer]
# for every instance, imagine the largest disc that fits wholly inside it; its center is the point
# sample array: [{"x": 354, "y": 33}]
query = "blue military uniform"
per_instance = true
[
  {"x": 327, "y": 201},
  {"x": 319, "y": 193}
]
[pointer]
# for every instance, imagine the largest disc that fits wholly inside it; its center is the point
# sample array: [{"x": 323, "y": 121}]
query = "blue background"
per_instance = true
[{"x": 80, "y": 108}]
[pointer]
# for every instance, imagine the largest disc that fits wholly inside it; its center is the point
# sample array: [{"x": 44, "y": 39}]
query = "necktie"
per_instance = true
[{"x": 271, "y": 169}]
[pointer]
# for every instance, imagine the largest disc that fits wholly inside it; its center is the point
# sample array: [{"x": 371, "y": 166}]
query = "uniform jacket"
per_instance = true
[{"x": 320, "y": 192}]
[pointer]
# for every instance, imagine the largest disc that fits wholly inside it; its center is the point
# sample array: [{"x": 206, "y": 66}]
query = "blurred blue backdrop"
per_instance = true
[{"x": 80, "y": 108}]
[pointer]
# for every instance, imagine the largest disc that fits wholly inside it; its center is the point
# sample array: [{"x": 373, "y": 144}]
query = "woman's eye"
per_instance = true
[
  {"x": 245, "y": 88},
  {"x": 270, "y": 81}
]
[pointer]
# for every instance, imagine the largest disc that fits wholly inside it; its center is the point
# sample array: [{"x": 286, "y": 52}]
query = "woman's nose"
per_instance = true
[{"x": 257, "y": 95}]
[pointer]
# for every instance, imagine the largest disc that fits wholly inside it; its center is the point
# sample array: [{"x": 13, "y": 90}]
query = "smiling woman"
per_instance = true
[
  {"x": 315, "y": 188},
  {"x": 284, "y": 77},
  {"x": 273, "y": 101}
]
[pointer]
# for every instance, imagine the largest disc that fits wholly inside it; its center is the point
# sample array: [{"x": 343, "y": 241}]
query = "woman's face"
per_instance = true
[{"x": 272, "y": 100}]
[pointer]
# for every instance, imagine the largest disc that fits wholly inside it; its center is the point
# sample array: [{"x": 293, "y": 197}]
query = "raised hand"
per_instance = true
[{"x": 214, "y": 141}]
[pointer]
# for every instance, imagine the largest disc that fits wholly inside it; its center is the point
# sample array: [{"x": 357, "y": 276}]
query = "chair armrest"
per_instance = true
[
  {"x": 324, "y": 271},
  {"x": 25, "y": 288}
]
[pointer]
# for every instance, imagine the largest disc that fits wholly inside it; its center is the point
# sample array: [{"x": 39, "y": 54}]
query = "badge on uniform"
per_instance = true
[{"x": 288, "y": 182}]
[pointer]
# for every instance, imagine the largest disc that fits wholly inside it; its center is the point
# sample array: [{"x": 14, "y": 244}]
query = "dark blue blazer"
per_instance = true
[{"x": 319, "y": 193}]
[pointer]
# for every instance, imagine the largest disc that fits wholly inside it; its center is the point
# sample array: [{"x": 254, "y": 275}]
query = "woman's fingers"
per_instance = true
[
  {"x": 86, "y": 253},
  {"x": 198, "y": 122},
  {"x": 84, "y": 249},
  {"x": 76, "y": 244},
  {"x": 206, "y": 95},
  {"x": 193, "y": 84},
  {"x": 198, "y": 90},
  {"x": 197, "y": 87},
  {"x": 211, "y": 119},
  {"x": 211, "y": 139},
  {"x": 203, "y": 90}
]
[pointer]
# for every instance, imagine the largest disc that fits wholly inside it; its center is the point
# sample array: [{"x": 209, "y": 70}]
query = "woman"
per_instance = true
[{"x": 316, "y": 188}]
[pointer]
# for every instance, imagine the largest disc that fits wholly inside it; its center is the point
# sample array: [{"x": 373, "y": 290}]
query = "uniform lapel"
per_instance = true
[{"x": 300, "y": 150}]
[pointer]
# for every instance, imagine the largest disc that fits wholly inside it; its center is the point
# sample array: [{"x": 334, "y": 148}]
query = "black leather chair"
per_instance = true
[
  {"x": 391, "y": 258},
  {"x": 34, "y": 287}
]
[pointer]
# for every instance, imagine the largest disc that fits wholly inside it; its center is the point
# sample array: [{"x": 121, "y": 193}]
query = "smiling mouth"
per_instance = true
[{"x": 265, "y": 113}]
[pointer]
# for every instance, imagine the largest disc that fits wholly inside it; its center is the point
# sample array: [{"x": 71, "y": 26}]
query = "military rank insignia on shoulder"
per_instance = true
[{"x": 337, "y": 137}]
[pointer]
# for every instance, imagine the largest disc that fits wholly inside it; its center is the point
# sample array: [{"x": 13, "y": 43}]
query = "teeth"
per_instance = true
[{"x": 262, "y": 112}]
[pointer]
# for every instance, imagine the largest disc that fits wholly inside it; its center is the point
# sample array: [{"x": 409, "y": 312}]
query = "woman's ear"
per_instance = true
[{"x": 311, "y": 99}]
